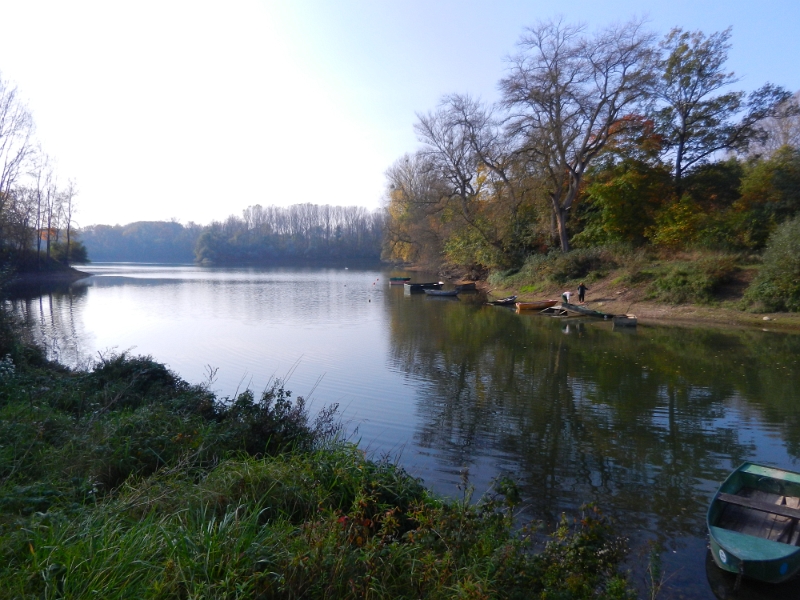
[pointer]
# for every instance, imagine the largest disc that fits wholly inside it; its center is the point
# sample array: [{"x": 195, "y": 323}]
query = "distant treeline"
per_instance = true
[
  {"x": 262, "y": 234},
  {"x": 301, "y": 231},
  {"x": 143, "y": 241}
]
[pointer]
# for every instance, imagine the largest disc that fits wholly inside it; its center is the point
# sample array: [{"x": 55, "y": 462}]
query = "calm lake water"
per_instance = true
[{"x": 645, "y": 423}]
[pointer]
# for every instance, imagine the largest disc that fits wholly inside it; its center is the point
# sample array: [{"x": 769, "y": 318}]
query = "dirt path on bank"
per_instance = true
[{"x": 607, "y": 297}]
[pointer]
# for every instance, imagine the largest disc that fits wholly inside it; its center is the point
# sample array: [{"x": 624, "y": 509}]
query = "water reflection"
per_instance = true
[
  {"x": 52, "y": 318},
  {"x": 645, "y": 422},
  {"x": 726, "y": 586}
]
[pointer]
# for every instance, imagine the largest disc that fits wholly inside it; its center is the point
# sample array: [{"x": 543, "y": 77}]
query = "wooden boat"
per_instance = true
[
  {"x": 624, "y": 320},
  {"x": 509, "y": 301},
  {"x": 440, "y": 292},
  {"x": 398, "y": 280},
  {"x": 582, "y": 310},
  {"x": 537, "y": 305},
  {"x": 419, "y": 287},
  {"x": 753, "y": 523}
]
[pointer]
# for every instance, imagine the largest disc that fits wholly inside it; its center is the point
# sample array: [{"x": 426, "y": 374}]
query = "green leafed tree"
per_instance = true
[
  {"x": 770, "y": 194},
  {"x": 623, "y": 201},
  {"x": 697, "y": 117}
]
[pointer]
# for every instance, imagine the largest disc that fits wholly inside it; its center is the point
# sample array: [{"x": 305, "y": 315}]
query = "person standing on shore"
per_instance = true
[{"x": 582, "y": 292}]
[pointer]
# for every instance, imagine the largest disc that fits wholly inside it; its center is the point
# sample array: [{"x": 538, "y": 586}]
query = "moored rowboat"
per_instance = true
[
  {"x": 537, "y": 305},
  {"x": 419, "y": 287},
  {"x": 753, "y": 523},
  {"x": 440, "y": 292},
  {"x": 581, "y": 310},
  {"x": 509, "y": 301}
]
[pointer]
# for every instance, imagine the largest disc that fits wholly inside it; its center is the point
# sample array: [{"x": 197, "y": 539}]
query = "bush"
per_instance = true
[
  {"x": 588, "y": 264},
  {"x": 777, "y": 285},
  {"x": 272, "y": 424},
  {"x": 694, "y": 281}
]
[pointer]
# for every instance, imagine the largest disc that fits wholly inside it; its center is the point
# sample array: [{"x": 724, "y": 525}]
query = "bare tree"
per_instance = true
[
  {"x": 780, "y": 130},
  {"x": 515, "y": 187},
  {"x": 42, "y": 175},
  {"x": 567, "y": 94},
  {"x": 451, "y": 157},
  {"x": 16, "y": 132},
  {"x": 68, "y": 210}
]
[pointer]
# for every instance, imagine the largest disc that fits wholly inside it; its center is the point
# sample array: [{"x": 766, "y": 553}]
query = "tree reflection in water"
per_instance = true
[{"x": 645, "y": 424}]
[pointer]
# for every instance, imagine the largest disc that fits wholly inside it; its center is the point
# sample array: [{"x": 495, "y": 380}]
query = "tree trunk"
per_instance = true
[{"x": 560, "y": 214}]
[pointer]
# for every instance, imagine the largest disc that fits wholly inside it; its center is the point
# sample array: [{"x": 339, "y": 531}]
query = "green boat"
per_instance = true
[
  {"x": 753, "y": 523},
  {"x": 582, "y": 310},
  {"x": 411, "y": 288}
]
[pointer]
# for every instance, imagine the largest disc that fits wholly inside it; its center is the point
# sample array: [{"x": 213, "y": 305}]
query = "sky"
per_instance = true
[{"x": 194, "y": 110}]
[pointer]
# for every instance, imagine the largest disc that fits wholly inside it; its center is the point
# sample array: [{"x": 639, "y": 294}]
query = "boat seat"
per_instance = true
[
  {"x": 764, "y": 515},
  {"x": 782, "y": 510}
]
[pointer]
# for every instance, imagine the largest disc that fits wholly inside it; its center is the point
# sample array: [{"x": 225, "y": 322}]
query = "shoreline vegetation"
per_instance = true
[
  {"x": 123, "y": 480},
  {"x": 687, "y": 288}
]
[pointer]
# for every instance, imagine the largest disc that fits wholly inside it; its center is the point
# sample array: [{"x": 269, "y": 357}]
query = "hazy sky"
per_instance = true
[{"x": 194, "y": 110}]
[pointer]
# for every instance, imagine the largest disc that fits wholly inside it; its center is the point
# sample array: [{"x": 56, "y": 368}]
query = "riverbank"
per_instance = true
[
  {"x": 607, "y": 296},
  {"x": 679, "y": 289},
  {"x": 56, "y": 273}
]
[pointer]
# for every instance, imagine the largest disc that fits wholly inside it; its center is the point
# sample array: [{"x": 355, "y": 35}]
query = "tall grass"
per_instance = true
[{"x": 253, "y": 529}]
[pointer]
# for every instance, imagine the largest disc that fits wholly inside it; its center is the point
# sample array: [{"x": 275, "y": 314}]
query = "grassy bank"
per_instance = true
[
  {"x": 699, "y": 286},
  {"x": 125, "y": 481}
]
